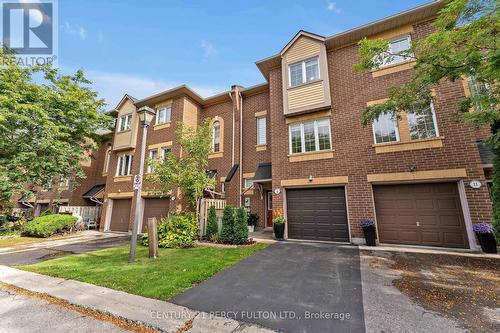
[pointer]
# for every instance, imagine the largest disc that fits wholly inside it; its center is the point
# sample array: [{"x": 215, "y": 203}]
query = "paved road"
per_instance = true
[
  {"x": 291, "y": 287},
  {"x": 21, "y": 313},
  {"x": 44, "y": 252}
]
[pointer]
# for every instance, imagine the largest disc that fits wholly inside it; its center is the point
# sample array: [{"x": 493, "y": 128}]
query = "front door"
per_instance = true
[{"x": 269, "y": 209}]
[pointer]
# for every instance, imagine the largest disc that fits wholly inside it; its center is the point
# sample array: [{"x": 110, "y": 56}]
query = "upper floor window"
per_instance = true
[
  {"x": 64, "y": 182},
  {"x": 399, "y": 51},
  {"x": 479, "y": 91},
  {"x": 216, "y": 137},
  {"x": 422, "y": 121},
  {"x": 153, "y": 156},
  {"x": 124, "y": 167},
  {"x": 125, "y": 122},
  {"x": 248, "y": 183},
  {"x": 310, "y": 136},
  {"x": 261, "y": 130},
  {"x": 385, "y": 128},
  {"x": 163, "y": 115},
  {"x": 303, "y": 71}
]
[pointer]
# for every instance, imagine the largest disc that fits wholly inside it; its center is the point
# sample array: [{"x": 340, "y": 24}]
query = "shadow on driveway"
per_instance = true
[{"x": 289, "y": 286}]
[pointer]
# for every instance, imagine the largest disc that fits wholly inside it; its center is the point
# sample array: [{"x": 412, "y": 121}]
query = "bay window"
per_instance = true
[
  {"x": 303, "y": 71},
  {"x": 125, "y": 122}
]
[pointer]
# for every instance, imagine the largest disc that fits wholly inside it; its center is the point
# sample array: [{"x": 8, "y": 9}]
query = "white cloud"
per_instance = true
[
  {"x": 332, "y": 6},
  {"x": 112, "y": 86},
  {"x": 208, "y": 48},
  {"x": 75, "y": 29}
]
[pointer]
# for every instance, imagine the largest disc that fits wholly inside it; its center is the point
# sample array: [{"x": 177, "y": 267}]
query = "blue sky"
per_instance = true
[{"x": 144, "y": 47}]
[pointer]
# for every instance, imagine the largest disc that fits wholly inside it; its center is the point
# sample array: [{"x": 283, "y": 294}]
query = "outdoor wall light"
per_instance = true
[
  {"x": 310, "y": 178},
  {"x": 413, "y": 168}
]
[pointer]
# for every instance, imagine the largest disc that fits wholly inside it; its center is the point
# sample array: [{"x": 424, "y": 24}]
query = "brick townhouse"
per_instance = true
[{"x": 296, "y": 143}]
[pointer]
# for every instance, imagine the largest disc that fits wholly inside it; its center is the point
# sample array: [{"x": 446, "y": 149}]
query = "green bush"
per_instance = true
[
  {"x": 253, "y": 218},
  {"x": 212, "y": 228},
  {"x": 48, "y": 225},
  {"x": 227, "y": 231},
  {"x": 240, "y": 229},
  {"x": 176, "y": 231}
]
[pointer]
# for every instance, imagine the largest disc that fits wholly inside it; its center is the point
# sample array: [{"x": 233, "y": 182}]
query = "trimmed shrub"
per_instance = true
[
  {"x": 227, "y": 231},
  {"x": 48, "y": 225},
  {"x": 240, "y": 230},
  {"x": 253, "y": 218},
  {"x": 175, "y": 231},
  {"x": 212, "y": 228}
]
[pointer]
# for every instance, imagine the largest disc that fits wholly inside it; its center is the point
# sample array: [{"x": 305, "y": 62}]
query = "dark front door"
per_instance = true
[
  {"x": 269, "y": 209},
  {"x": 317, "y": 214},
  {"x": 120, "y": 216},
  {"x": 155, "y": 207},
  {"x": 420, "y": 214}
]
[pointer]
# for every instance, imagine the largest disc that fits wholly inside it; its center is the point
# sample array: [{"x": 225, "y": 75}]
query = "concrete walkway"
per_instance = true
[{"x": 161, "y": 315}]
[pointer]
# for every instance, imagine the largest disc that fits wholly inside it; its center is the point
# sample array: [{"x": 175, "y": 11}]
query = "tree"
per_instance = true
[
  {"x": 48, "y": 122},
  {"x": 240, "y": 233},
  {"x": 226, "y": 233},
  {"x": 465, "y": 45},
  {"x": 212, "y": 228},
  {"x": 189, "y": 171}
]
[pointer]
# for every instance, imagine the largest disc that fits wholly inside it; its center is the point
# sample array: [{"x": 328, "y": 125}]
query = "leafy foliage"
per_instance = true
[
  {"x": 46, "y": 127},
  {"x": 465, "y": 46},
  {"x": 240, "y": 230},
  {"x": 279, "y": 219},
  {"x": 253, "y": 218},
  {"x": 175, "y": 231},
  {"x": 212, "y": 228},
  {"x": 188, "y": 172},
  {"x": 48, "y": 225},
  {"x": 226, "y": 233}
]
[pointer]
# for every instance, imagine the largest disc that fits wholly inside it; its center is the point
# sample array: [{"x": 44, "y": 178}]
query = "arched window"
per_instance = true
[{"x": 216, "y": 137}]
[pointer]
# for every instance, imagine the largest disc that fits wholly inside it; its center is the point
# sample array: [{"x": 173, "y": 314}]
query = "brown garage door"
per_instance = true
[
  {"x": 154, "y": 208},
  {"x": 120, "y": 215},
  {"x": 420, "y": 214},
  {"x": 317, "y": 214}
]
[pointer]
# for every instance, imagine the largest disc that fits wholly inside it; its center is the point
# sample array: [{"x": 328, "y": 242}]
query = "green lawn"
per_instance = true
[
  {"x": 6, "y": 241},
  {"x": 173, "y": 272}
]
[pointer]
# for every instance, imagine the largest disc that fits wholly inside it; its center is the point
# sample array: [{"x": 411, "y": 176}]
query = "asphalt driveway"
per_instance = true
[{"x": 290, "y": 286}]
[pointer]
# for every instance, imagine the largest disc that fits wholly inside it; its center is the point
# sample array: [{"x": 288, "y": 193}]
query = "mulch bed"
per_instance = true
[
  {"x": 460, "y": 287},
  {"x": 205, "y": 242}
]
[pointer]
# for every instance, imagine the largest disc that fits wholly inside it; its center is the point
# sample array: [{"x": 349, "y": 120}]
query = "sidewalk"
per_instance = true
[
  {"x": 81, "y": 237},
  {"x": 161, "y": 315}
]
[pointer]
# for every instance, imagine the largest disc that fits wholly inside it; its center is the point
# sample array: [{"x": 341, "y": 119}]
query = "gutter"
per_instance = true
[{"x": 241, "y": 147}]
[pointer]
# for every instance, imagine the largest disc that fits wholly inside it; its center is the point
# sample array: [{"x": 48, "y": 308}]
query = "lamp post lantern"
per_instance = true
[{"x": 146, "y": 115}]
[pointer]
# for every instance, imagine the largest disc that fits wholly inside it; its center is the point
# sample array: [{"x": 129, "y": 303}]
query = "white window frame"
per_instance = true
[
  {"x": 398, "y": 138},
  {"x": 168, "y": 111},
  {"x": 107, "y": 161},
  {"x": 434, "y": 119},
  {"x": 150, "y": 167},
  {"x": 127, "y": 118},
  {"x": 127, "y": 169},
  {"x": 304, "y": 78},
  {"x": 162, "y": 152},
  {"x": 408, "y": 38},
  {"x": 213, "y": 136},
  {"x": 316, "y": 136},
  {"x": 258, "y": 131}
]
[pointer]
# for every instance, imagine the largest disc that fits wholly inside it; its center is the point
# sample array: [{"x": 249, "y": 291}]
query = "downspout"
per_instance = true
[
  {"x": 232, "y": 141},
  {"x": 241, "y": 146}
]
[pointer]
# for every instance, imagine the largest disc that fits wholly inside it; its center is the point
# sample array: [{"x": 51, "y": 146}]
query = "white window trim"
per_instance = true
[
  {"x": 150, "y": 168},
  {"x": 407, "y": 37},
  {"x": 304, "y": 78},
  {"x": 398, "y": 139},
  {"x": 245, "y": 183},
  {"x": 302, "y": 136},
  {"x": 158, "y": 115},
  {"x": 162, "y": 154},
  {"x": 265, "y": 130},
  {"x": 107, "y": 160},
  {"x": 129, "y": 123},
  {"x": 127, "y": 167},
  {"x": 434, "y": 119},
  {"x": 213, "y": 136}
]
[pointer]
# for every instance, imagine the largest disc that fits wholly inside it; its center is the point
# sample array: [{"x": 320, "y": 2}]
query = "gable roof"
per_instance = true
[
  {"x": 125, "y": 98},
  {"x": 301, "y": 33},
  {"x": 350, "y": 36}
]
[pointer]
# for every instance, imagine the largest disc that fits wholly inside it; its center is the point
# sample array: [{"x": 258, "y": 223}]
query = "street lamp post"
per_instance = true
[{"x": 146, "y": 115}]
